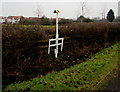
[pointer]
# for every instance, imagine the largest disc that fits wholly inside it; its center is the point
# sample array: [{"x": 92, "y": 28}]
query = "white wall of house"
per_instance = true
[
  {"x": 9, "y": 20},
  {"x": 2, "y": 19},
  {"x": 13, "y": 20}
]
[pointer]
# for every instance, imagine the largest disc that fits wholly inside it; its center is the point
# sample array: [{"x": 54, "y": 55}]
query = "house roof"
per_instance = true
[
  {"x": 15, "y": 17},
  {"x": 2, "y": 17}
]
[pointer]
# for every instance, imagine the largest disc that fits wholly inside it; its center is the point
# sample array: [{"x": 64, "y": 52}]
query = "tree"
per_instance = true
[
  {"x": 38, "y": 13},
  {"x": 45, "y": 21},
  {"x": 110, "y": 15},
  {"x": 80, "y": 19},
  {"x": 84, "y": 19},
  {"x": 82, "y": 9},
  {"x": 65, "y": 21},
  {"x": 103, "y": 11},
  {"x": 83, "y": 5}
]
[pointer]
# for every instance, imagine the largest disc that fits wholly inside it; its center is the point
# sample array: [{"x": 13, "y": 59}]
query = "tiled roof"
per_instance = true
[
  {"x": 15, "y": 17},
  {"x": 2, "y": 17}
]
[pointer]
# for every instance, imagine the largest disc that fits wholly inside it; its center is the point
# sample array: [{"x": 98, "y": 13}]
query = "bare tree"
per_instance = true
[
  {"x": 83, "y": 6},
  {"x": 104, "y": 12},
  {"x": 38, "y": 13},
  {"x": 82, "y": 10}
]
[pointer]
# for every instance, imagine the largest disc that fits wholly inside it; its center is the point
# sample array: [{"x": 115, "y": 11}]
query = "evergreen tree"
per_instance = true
[{"x": 110, "y": 15}]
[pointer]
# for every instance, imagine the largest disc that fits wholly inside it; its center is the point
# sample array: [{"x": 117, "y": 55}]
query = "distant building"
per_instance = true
[
  {"x": 17, "y": 19},
  {"x": 14, "y": 19},
  {"x": 3, "y": 19}
]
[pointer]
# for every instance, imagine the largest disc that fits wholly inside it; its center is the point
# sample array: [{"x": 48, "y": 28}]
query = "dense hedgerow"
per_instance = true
[{"x": 25, "y": 55}]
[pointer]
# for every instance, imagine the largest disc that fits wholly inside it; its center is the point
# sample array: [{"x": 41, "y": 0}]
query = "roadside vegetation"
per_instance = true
[
  {"x": 25, "y": 47},
  {"x": 84, "y": 76}
]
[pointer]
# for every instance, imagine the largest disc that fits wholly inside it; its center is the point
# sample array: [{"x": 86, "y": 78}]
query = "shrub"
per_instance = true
[{"x": 25, "y": 47}]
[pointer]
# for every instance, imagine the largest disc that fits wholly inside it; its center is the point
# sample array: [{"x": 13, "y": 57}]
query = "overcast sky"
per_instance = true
[{"x": 69, "y": 8}]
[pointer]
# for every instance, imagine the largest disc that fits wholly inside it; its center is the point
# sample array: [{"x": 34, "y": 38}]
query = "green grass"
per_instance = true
[{"x": 83, "y": 76}]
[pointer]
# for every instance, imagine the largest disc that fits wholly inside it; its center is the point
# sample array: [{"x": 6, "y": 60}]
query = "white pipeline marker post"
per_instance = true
[{"x": 56, "y": 39}]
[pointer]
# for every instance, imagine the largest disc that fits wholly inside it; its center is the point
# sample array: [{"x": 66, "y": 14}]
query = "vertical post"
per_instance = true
[
  {"x": 56, "y": 25},
  {"x": 49, "y": 47},
  {"x": 56, "y": 50},
  {"x": 56, "y": 39},
  {"x": 62, "y": 44}
]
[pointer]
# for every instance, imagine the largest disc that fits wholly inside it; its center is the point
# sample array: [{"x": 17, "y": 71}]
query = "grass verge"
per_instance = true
[{"x": 83, "y": 76}]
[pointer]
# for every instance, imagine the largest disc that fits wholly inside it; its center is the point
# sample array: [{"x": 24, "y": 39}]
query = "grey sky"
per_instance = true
[
  {"x": 68, "y": 9},
  {"x": 119, "y": 9}
]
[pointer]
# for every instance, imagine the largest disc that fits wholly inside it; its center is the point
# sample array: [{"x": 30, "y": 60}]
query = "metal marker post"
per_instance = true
[
  {"x": 56, "y": 39},
  {"x": 56, "y": 50}
]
